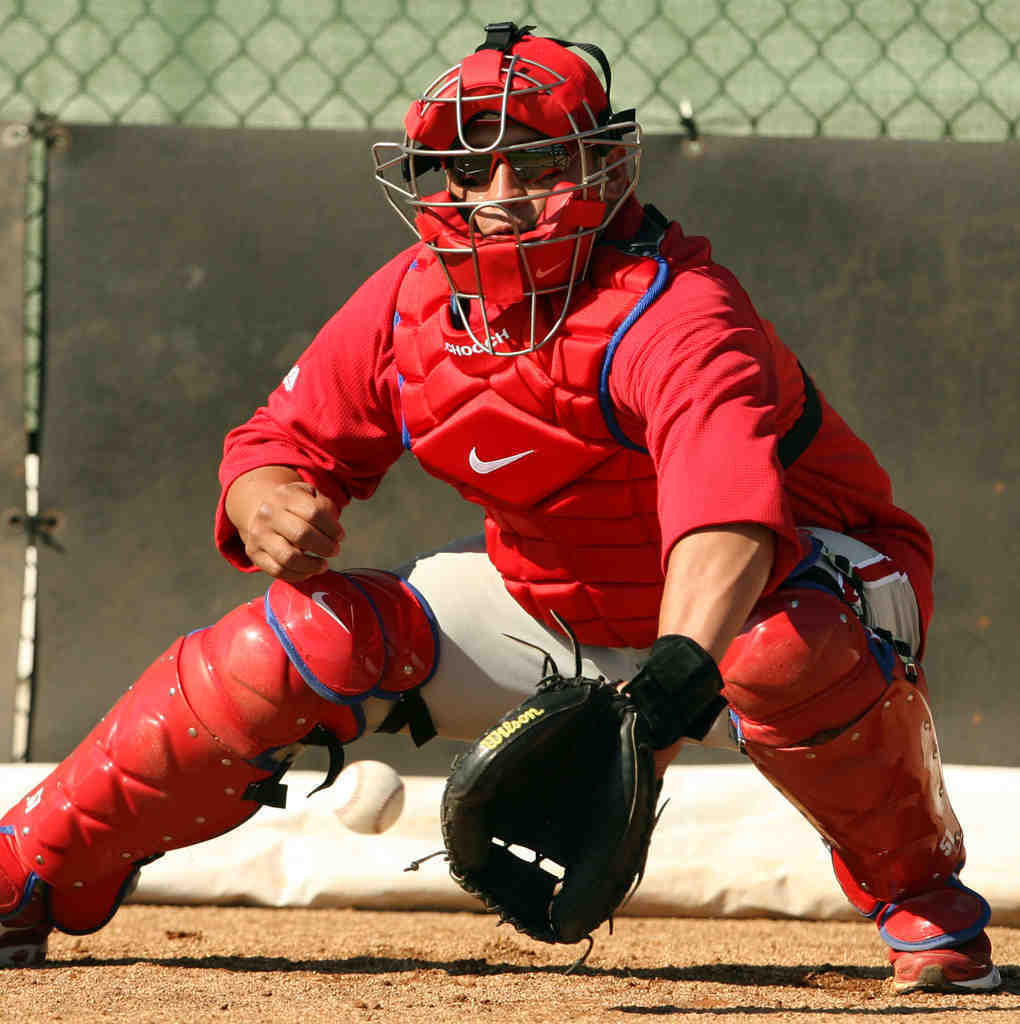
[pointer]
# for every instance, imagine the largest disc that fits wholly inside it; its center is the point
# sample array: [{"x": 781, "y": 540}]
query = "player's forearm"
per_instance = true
[{"x": 714, "y": 578}]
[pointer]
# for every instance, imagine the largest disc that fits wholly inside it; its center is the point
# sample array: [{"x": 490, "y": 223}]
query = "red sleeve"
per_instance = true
[
  {"x": 333, "y": 416},
  {"x": 698, "y": 371}
]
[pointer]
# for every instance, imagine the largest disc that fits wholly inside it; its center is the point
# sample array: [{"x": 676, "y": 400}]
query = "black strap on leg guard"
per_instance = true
[
  {"x": 412, "y": 711},
  {"x": 678, "y": 690},
  {"x": 271, "y": 792}
]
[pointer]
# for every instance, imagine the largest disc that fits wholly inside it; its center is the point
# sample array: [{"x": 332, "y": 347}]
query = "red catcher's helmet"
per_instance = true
[{"x": 540, "y": 83}]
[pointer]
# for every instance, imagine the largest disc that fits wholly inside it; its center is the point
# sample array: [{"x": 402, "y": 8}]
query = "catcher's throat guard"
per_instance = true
[{"x": 567, "y": 778}]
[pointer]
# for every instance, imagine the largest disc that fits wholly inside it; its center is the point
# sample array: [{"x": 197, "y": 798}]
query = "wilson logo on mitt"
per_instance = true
[{"x": 493, "y": 739}]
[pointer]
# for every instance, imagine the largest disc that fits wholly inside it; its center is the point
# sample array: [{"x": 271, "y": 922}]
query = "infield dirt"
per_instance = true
[{"x": 269, "y": 966}]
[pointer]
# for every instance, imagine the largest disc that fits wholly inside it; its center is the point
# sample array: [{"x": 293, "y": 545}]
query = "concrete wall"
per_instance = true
[{"x": 189, "y": 266}]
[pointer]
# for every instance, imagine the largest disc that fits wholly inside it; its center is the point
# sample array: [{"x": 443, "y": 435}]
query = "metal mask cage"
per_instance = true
[{"x": 401, "y": 167}]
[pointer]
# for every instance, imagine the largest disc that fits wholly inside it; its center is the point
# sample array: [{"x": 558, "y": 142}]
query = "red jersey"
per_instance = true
[{"x": 699, "y": 380}]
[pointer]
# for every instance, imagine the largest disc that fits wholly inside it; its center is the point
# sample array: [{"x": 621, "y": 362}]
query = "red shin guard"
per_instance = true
[
  {"x": 155, "y": 774},
  {"x": 830, "y": 718},
  {"x": 187, "y": 752}
]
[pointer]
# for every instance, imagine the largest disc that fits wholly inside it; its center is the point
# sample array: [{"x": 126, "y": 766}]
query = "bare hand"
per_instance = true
[{"x": 291, "y": 530}]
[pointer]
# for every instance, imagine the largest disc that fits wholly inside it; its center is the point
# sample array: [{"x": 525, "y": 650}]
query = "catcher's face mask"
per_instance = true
[{"x": 532, "y": 158}]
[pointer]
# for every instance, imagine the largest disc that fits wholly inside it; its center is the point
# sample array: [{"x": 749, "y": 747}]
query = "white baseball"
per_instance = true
[{"x": 369, "y": 796}]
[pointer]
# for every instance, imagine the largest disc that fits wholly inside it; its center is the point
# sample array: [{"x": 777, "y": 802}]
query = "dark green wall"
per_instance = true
[{"x": 189, "y": 266}]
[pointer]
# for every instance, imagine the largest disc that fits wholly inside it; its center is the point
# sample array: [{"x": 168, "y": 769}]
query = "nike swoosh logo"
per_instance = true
[
  {"x": 539, "y": 274},
  {"x": 480, "y": 465},
  {"x": 319, "y": 597}
]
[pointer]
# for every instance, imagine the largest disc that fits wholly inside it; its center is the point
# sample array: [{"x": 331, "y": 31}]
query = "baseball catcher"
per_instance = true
[{"x": 656, "y": 469}]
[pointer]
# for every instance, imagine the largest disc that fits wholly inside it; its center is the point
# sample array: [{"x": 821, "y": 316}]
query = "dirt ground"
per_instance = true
[{"x": 169, "y": 964}]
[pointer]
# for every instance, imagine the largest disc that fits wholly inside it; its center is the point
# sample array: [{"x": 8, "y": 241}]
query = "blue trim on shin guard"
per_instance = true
[
  {"x": 31, "y": 881},
  {"x": 300, "y": 664},
  {"x": 944, "y": 938},
  {"x": 433, "y": 622}
]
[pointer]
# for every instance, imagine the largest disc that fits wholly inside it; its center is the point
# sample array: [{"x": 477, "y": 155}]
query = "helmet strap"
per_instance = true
[{"x": 503, "y": 35}]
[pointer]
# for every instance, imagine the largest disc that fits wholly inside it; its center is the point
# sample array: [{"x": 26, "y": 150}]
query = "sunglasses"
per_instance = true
[{"x": 475, "y": 170}]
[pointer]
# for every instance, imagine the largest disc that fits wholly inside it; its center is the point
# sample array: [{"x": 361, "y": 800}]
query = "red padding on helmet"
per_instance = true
[
  {"x": 481, "y": 69},
  {"x": 580, "y": 93}
]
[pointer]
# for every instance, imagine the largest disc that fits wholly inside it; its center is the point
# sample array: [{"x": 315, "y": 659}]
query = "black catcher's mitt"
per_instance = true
[{"x": 568, "y": 776}]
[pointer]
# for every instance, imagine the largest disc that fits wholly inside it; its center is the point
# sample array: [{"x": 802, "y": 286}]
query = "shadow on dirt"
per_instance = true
[{"x": 836, "y": 977}]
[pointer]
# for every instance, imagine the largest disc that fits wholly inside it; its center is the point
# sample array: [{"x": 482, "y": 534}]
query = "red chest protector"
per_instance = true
[{"x": 569, "y": 493}]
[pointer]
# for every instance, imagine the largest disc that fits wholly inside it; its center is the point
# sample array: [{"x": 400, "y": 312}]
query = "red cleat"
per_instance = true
[
  {"x": 24, "y": 918},
  {"x": 23, "y": 947},
  {"x": 967, "y": 967}
]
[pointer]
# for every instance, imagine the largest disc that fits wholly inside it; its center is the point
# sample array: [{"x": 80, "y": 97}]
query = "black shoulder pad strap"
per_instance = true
[
  {"x": 649, "y": 236},
  {"x": 795, "y": 441}
]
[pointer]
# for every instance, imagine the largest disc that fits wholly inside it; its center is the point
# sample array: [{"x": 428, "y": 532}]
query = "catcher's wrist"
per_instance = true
[{"x": 678, "y": 691}]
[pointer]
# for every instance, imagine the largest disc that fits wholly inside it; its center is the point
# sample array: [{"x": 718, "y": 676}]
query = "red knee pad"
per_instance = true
[
  {"x": 245, "y": 689},
  {"x": 803, "y": 665},
  {"x": 352, "y": 635}
]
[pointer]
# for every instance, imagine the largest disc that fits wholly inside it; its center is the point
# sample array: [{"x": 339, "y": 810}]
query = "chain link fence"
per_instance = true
[
  {"x": 853, "y": 68},
  {"x": 909, "y": 69}
]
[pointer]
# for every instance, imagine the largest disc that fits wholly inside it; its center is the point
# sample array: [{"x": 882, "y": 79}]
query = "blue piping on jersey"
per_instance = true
[
  {"x": 605, "y": 402},
  {"x": 405, "y": 434}
]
